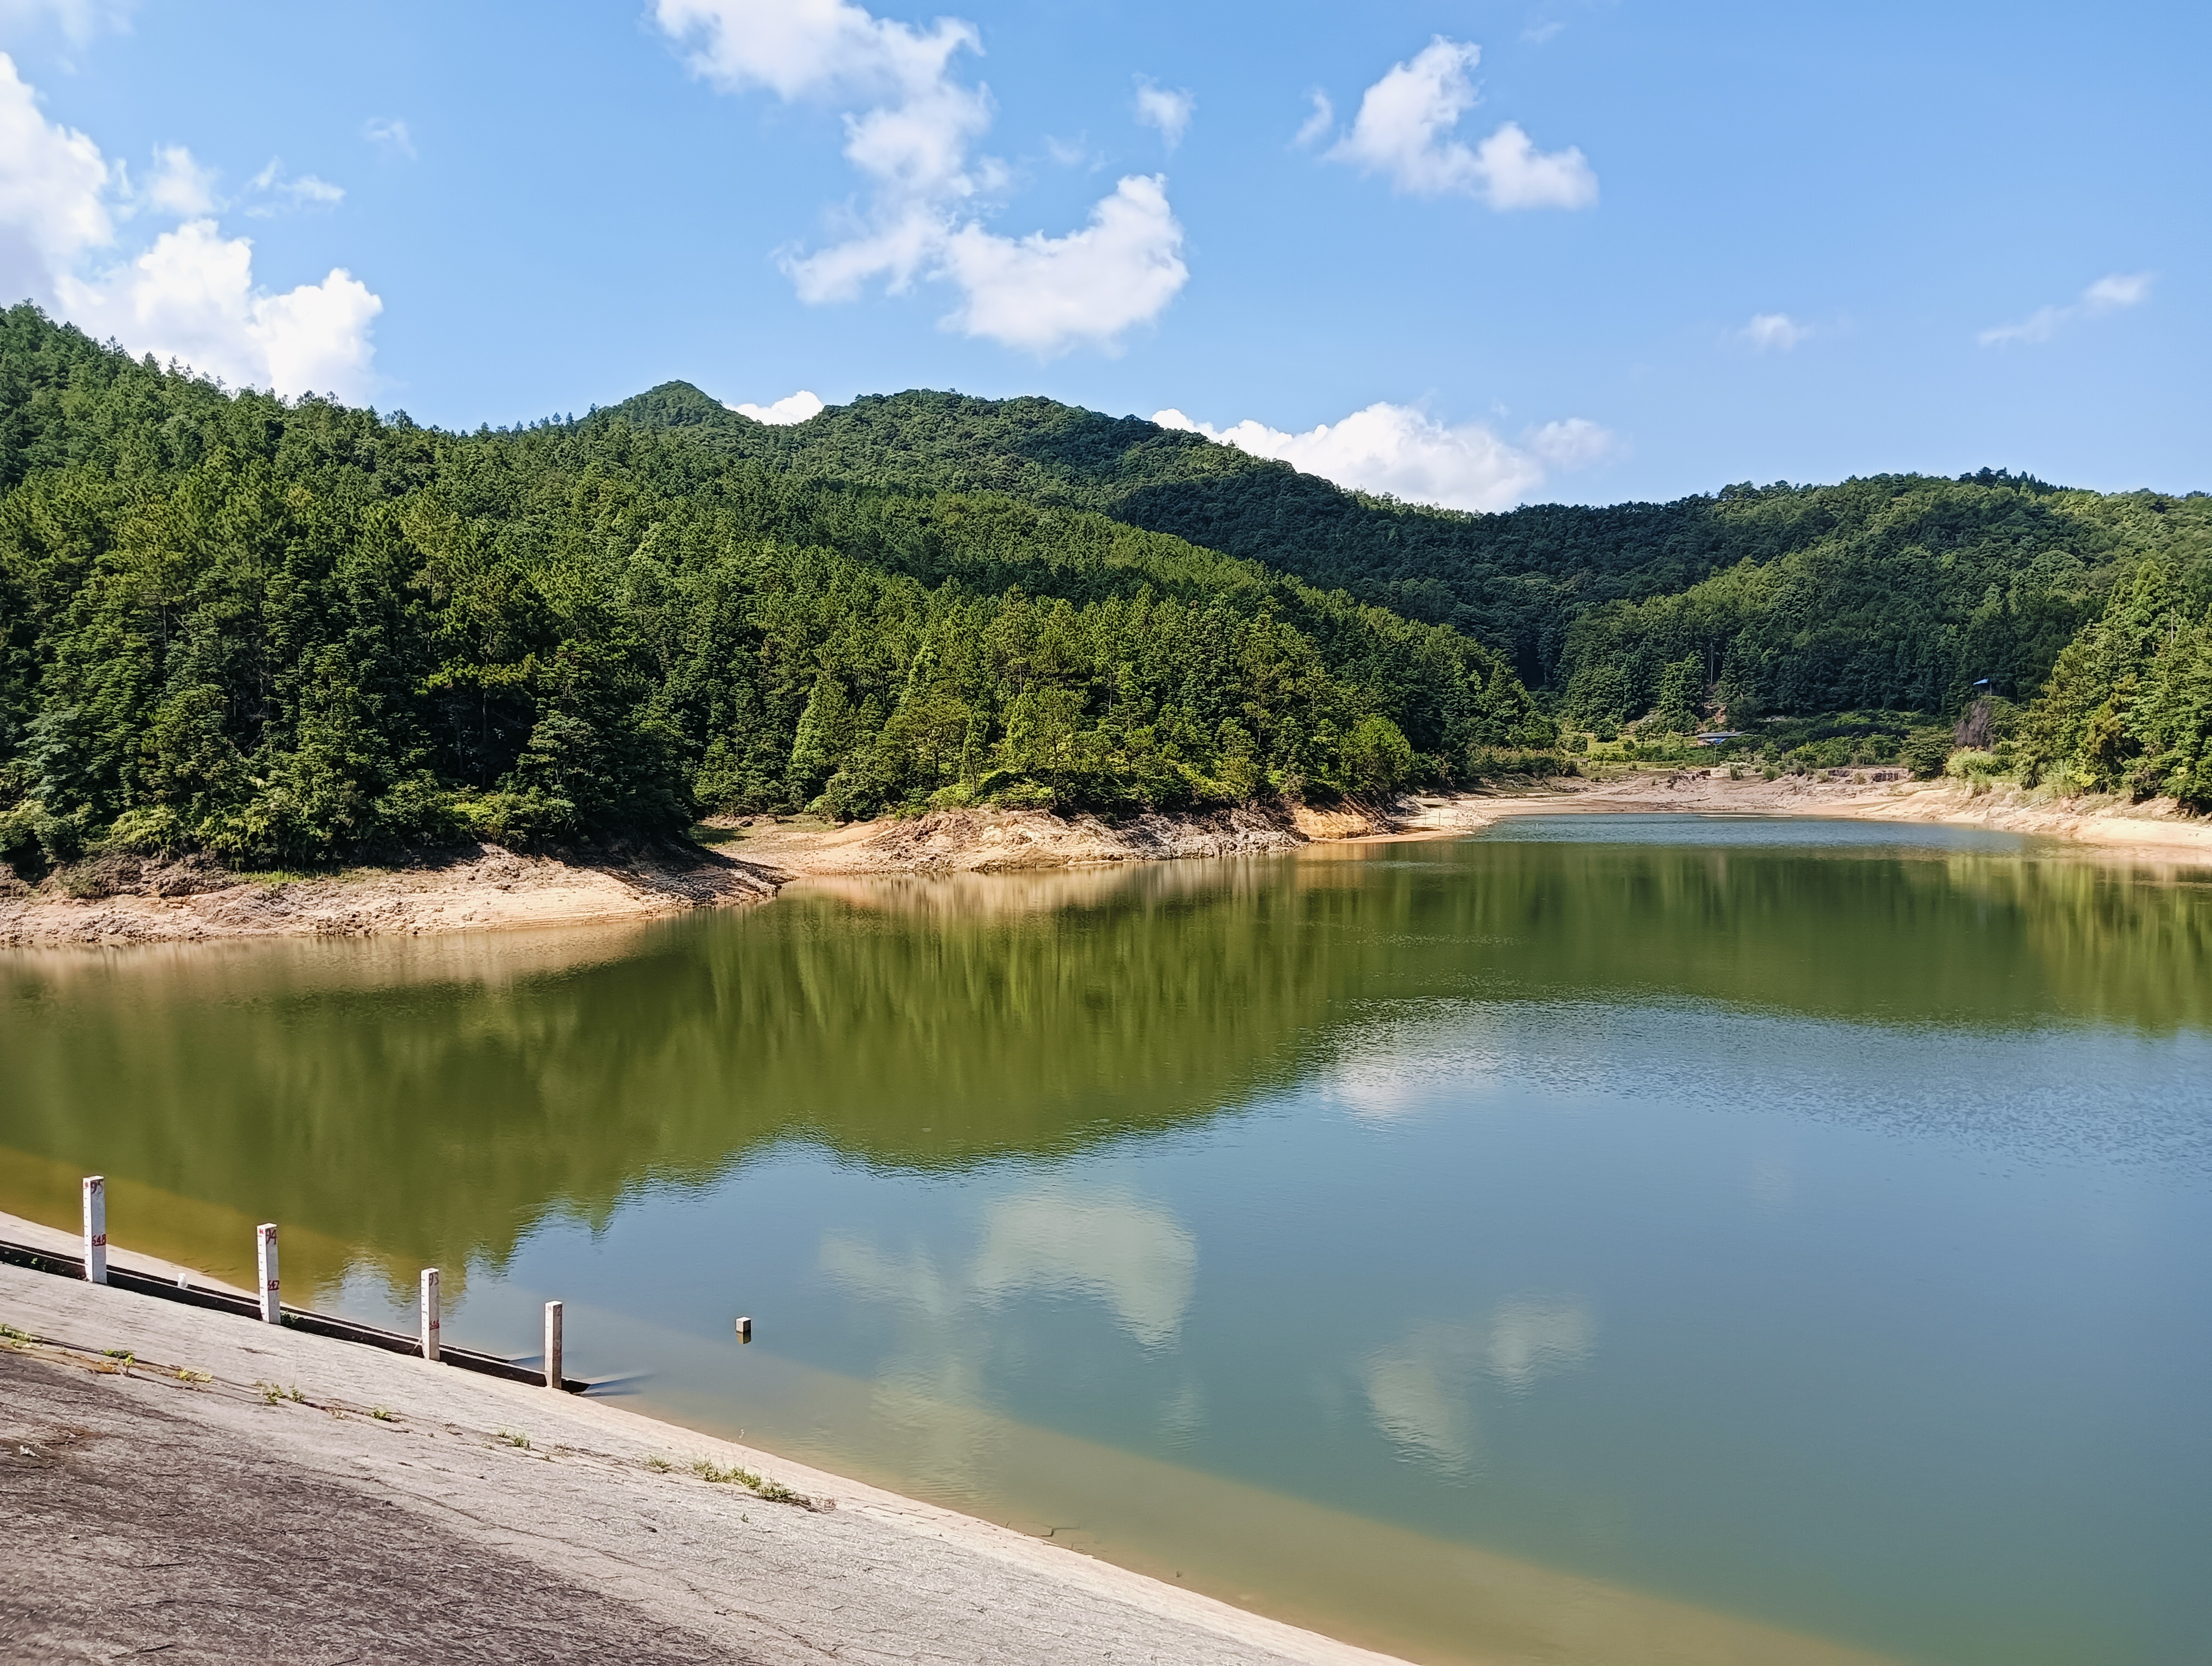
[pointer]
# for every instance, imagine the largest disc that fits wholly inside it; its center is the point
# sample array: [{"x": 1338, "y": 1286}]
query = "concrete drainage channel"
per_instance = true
[{"x": 92, "y": 1267}]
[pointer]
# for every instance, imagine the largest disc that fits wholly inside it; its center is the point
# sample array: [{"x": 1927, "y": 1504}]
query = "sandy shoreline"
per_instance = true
[
  {"x": 2157, "y": 833},
  {"x": 490, "y": 888},
  {"x": 485, "y": 888}
]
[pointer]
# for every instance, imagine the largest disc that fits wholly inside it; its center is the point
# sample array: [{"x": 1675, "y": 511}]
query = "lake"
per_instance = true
[{"x": 1606, "y": 1239}]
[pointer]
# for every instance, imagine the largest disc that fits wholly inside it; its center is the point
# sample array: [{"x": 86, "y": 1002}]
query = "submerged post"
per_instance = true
[
  {"x": 430, "y": 1313},
  {"x": 552, "y": 1345},
  {"x": 264, "y": 1245},
  {"x": 95, "y": 1229}
]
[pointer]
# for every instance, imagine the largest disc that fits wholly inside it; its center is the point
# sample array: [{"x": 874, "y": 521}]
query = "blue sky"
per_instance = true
[{"x": 1575, "y": 249}]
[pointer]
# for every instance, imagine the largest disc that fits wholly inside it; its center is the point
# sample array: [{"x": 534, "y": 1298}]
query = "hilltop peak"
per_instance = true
[{"x": 672, "y": 405}]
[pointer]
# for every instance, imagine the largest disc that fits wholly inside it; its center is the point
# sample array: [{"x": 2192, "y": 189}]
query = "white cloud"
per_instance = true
[
  {"x": 391, "y": 133},
  {"x": 1774, "y": 332},
  {"x": 1043, "y": 294},
  {"x": 179, "y": 184},
  {"x": 1570, "y": 443},
  {"x": 2111, "y": 293},
  {"x": 796, "y": 408},
  {"x": 1165, "y": 108},
  {"x": 1318, "y": 126},
  {"x": 1408, "y": 455},
  {"x": 54, "y": 185},
  {"x": 895, "y": 248},
  {"x": 1405, "y": 117},
  {"x": 807, "y": 48},
  {"x": 1512, "y": 174},
  {"x": 1406, "y": 127},
  {"x": 77, "y": 20},
  {"x": 190, "y": 295},
  {"x": 1549, "y": 20},
  {"x": 278, "y": 191},
  {"x": 912, "y": 135},
  {"x": 919, "y": 122},
  {"x": 1070, "y": 153},
  {"x": 2115, "y": 290},
  {"x": 2038, "y": 325}
]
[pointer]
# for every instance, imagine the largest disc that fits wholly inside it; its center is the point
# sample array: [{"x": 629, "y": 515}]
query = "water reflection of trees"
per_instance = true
[
  {"x": 1982, "y": 940},
  {"x": 435, "y": 1100}
]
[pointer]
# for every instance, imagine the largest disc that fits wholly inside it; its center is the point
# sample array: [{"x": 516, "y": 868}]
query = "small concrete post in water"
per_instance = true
[
  {"x": 430, "y": 1313},
  {"x": 744, "y": 1330},
  {"x": 95, "y": 1229},
  {"x": 264, "y": 1245},
  {"x": 552, "y": 1345}
]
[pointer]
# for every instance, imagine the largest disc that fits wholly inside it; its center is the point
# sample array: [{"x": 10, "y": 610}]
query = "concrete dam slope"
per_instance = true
[{"x": 217, "y": 1489}]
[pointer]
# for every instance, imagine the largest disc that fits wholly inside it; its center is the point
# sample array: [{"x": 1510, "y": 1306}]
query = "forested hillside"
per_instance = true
[
  {"x": 1895, "y": 592},
  {"x": 296, "y": 632},
  {"x": 2129, "y": 705}
]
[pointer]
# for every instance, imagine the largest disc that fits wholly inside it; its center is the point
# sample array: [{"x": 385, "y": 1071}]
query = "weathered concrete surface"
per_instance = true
[
  {"x": 131, "y": 1531},
  {"x": 170, "y": 1517},
  {"x": 59, "y": 1242}
]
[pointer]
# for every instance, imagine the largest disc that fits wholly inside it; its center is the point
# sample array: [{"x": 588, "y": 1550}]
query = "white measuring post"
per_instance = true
[
  {"x": 95, "y": 1229},
  {"x": 264, "y": 1245},
  {"x": 552, "y": 1345},
  {"x": 430, "y": 1313}
]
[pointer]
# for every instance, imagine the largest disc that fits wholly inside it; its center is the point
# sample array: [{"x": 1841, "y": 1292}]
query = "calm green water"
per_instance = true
[{"x": 1603, "y": 1238}]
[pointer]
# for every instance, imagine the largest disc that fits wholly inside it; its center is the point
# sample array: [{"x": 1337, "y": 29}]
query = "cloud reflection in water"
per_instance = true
[{"x": 1421, "y": 1392}]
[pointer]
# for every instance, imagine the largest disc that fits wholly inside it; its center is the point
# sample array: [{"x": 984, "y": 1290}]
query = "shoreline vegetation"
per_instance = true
[
  {"x": 272, "y": 666},
  {"x": 110, "y": 901}
]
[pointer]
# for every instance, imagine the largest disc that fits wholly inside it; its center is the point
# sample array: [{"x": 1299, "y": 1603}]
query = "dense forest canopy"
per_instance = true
[
  {"x": 1896, "y": 591},
  {"x": 2129, "y": 705},
  {"x": 298, "y": 632}
]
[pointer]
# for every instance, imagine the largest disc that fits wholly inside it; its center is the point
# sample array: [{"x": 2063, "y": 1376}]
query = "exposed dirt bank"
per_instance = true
[
  {"x": 129, "y": 901},
  {"x": 1019, "y": 840},
  {"x": 126, "y": 899},
  {"x": 123, "y": 900},
  {"x": 2158, "y": 831}
]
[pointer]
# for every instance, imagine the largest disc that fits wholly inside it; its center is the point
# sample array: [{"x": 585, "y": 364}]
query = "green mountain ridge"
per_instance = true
[
  {"x": 1897, "y": 591},
  {"x": 292, "y": 631}
]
